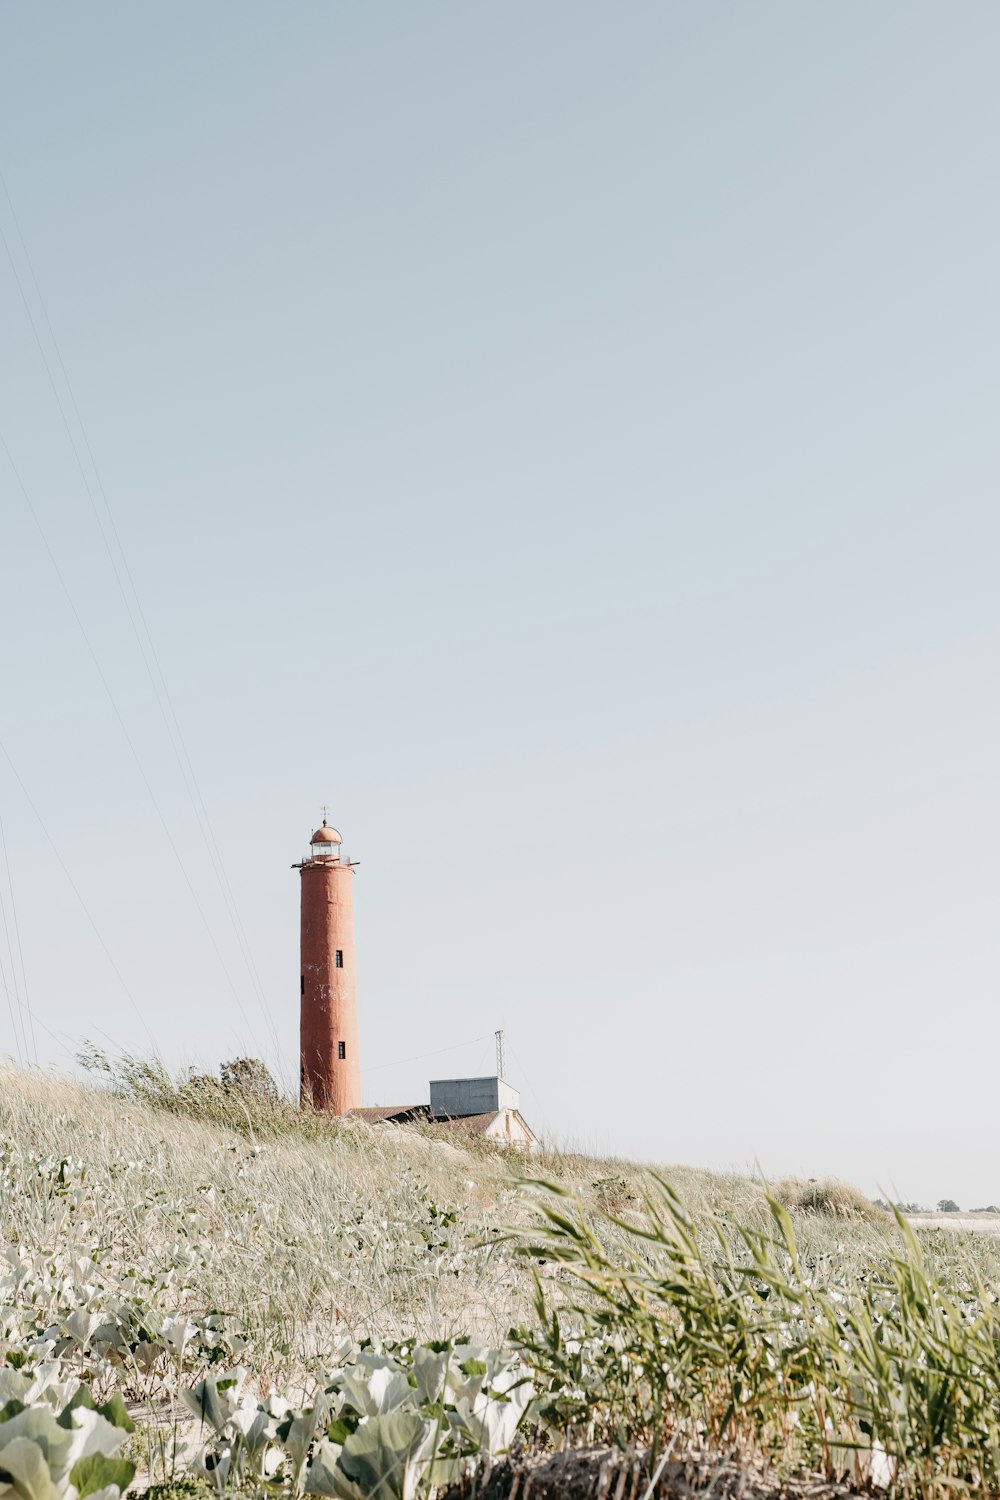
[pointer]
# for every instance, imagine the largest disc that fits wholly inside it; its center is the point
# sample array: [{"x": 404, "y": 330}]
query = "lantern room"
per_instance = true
[{"x": 325, "y": 843}]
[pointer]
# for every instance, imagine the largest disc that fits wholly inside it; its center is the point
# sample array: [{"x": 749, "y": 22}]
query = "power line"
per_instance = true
[
  {"x": 531, "y": 1090},
  {"x": 62, "y": 1039},
  {"x": 421, "y": 1055},
  {"x": 124, "y": 729},
  {"x": 73, "y": 886},
  {"x": 13, "y": 994},
  {"x": 31, "y": 1047},
  {"x": 161, "y": 691},
  {"x": 10, "y": 997}
]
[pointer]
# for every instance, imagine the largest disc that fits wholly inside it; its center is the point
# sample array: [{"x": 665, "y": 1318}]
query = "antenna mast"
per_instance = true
[{"x": 501, "y": 1054}]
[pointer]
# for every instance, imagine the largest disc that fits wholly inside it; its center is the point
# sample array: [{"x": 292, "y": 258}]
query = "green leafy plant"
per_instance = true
[
  {"x": 55, "y": 1444},
  {"x": 387, "y": 1422}
]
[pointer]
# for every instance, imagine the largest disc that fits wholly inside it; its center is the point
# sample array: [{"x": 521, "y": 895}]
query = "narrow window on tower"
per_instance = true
[
  {"x": 339, "y": 959},
  {"x": 302, "y": 984},
  {"x": 341, "y": 1051}
]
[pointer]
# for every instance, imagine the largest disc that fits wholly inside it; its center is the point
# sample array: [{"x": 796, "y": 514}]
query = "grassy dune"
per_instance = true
[
  {"x": 354, "y": 1311},
  {"x": 299, "y": 1228},
  {"x": 292, "y": 1238}
]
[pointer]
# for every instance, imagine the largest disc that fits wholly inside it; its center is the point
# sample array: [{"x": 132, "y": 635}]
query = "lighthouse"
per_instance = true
[{"x": 328, "y": 1026}]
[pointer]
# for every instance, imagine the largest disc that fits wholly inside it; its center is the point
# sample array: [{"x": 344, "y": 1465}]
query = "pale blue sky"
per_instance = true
[{"x": 563, "y": 438}]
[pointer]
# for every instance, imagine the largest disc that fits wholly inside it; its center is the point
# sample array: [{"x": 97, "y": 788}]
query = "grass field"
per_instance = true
[{"x": 284, "y": 1303}]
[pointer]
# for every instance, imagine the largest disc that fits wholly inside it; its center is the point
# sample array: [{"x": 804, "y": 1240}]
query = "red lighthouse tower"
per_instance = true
[{"x": 330, "y": 1059}]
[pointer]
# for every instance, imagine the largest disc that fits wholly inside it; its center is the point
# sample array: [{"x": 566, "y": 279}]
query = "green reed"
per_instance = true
[{"x": 657, "y": 1325}]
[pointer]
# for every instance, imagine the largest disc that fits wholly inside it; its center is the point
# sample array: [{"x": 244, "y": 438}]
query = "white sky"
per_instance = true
[{"x": 563, "y": 438}]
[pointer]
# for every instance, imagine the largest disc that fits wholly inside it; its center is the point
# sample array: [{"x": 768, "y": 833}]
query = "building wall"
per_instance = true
[
  {"x": 455, "y": 1097},
  {"x": 509, "y": 1127},
  {"x": 329, "y": 1012}
]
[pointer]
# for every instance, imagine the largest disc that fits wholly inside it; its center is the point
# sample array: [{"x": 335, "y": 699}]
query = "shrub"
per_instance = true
[
  {"x": 244, "y": 1097},
  {"x": 248, "y": 1076},
  {"x": 830, "y": 1196}
]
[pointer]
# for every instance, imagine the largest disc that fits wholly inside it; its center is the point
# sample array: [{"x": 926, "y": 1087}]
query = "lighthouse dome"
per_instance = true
[{"x": 326, "y": 835}]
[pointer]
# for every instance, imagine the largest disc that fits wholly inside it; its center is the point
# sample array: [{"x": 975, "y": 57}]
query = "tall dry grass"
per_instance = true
[
  {"x": 295, "y": 1226},
  {"x": 805, "y": 1323},
  {"x": 295, "y": 1240}
]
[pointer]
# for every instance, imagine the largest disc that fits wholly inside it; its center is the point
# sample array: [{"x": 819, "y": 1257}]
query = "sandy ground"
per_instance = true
[{"x": 978, "y": 1223}]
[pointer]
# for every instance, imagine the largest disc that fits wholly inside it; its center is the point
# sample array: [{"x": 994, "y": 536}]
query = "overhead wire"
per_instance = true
[
  {"x": 17, "y": 1027},
  {"x": 13, "y": 1023},
  {"x": 419, "y": 1057},
  {"x": 124, "y": 729},
  {"x": 23, "y": 1004},
  {"x": 531, "y": 1089},
  {"x": 16, "y": 1019},
  {"x": 150, "y": 660},
  {"x": 76, "y": 891},
  {"x": 60, "y": 1038}
]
